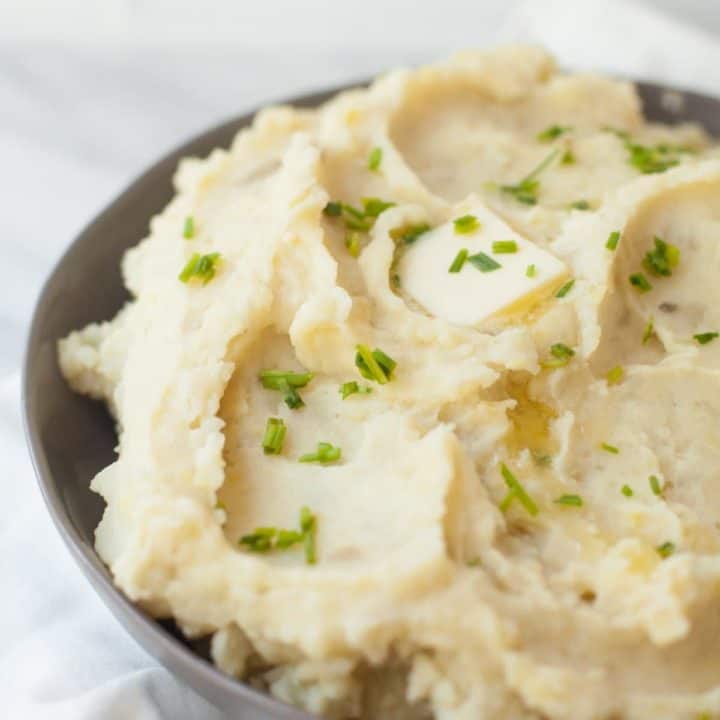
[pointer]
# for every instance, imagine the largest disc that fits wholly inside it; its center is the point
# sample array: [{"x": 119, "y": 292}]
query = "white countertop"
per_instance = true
[{"x": 91, "y": 93}]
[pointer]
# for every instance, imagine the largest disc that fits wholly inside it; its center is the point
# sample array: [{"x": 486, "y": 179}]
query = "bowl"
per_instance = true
[{"x": 72, "y": 437}]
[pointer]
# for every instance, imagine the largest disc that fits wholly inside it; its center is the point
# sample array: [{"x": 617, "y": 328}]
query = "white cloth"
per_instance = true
[{"x": 77, "y": 121}]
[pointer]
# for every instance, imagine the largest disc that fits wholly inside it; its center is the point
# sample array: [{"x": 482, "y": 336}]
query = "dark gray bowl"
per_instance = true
[{"x": 71, "y": 437}]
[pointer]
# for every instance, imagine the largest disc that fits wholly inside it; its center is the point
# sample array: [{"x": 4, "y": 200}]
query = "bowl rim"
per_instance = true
[{"x": 158, "y": 642}]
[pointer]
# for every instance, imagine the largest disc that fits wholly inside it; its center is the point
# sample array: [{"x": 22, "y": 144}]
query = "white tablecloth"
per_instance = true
[{"x": 84, "y": 105}]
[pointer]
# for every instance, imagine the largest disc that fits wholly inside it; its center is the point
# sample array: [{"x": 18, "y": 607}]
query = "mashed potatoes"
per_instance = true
[{"x": 427, "y": 426}]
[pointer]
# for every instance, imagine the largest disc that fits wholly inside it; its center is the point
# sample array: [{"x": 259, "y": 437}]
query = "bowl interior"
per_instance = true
[{"x": 72, "y": 438}]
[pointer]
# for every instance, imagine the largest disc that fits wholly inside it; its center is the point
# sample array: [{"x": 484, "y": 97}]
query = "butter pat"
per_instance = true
[{"x": 470, "y": 297}]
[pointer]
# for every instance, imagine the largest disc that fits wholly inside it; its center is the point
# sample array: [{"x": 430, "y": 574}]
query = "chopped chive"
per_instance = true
[
  {"x": 265, "y": 539},
  {"x": 201, "y": 267},
  {"x": 613, "y": 240},
  {"x": 355, "y": 219},
  {"x": 352, "y": 243},
  {"x": 353, "y": 388},
  {"x": 648, "y": 159},
  {"x": 571, "y": 500},
  {"x": 640, "y": 282},
  {"x": 189, "y": 228},
  {"x": 580, "y": 205},
  {"x": 352, "y": 211},
  {"x": 360, "y": 225},
  {"x": 473, "y": 562},
  {"x": 662, "y": 259},
  {"x": 374, "y": 207},
  {"x": 484, "y": 263},
  {"x": 375, "y": 158},
  {"x": 568, "y": 157},
  {"x": 531, "y": 271},
  {"x": 526, "y": 191},
  {"x": 333, "y": 209},
  {"x": 457, "y": 264},
  {"x": 649, "y": 330},
  {"x": 565, "y": 289},
  {"x": 288, "y": 382},
  {"x": 466, "y": 224},
  {"x": 553, "y": 132},
  {"x": 272, "y": 441},
  {"x": 287, "y": 538},
  {"x": 374, "y": 365},
  {"x": 541, "y": 459},
  {"x": 262, "y": 540},
  {"x": 409, "y": 234},
  {"x": 609, "y": 448},
  {"x": 325, "y": 454},
  {"x": 561, "y": 355},
  {"x": 666, "y": 549},
  {"x": 504, "y": 247},
  {"x": 627, "y": 491},
  {"x": 516, "y": 491},
  {"x": 308, "y": 526},
  {"x": 615, "y": 375},
  {"x": 706, "y": 337},
  {"x": 561, "y": 351},
  {"x": 655, "y": 485}
]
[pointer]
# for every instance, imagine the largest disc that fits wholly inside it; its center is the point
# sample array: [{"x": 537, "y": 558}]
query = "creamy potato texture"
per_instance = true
[{"x": 523, "y": 520}]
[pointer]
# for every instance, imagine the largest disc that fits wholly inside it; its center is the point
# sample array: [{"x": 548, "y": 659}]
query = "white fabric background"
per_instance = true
[{"x": 92, "y": 92}]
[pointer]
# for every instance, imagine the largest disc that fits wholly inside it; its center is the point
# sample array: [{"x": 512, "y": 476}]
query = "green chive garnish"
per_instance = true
[
  {"x": 353, "y": 388},
  {"x": 374, "y": 365},
  {"x": 355, "y": 219},
  {"x": 308, "y": 526},
  {"x": 466, "y": 224},
  {"x": 374, "y": 207},
  {"x": 333, "y": 209},
  {"x": 565, "y": 289},
  {"x": 705, "y": 338},
  {"x": 627, "y": 491},
  {"x": 266, "y": 539},
  {"x": 375, "y": 158},
  {"x": 504, "y": 247},
  {"x": 666, "y": 549},
  {"x": 568, "y": 157},
  {"x": 200, "y": 267},
  {"x": 571, "y": 500},
  {"x": 609, "y": 448},
  {"x": 189, "y": 228},
  {"x": 516, "y": 491},
  {"x": 553, "y": 132},
  {"x": 531, "y": 271},
  {"x": 613, "y": 240},
  {"x": 325, "y": 454},
  {"x": 655, "y": 485},
  {"x": 459, "y": 261},
  {"x": 352, "y": 243},
  {"x": 288, "y": 382},
  {"x": 409, "y": 234},
  {"x": 640, "y": 282},
  {"x": 648, "y": 159},
  {"x": 526, "y": 191},
  {"x": 662, "y": 259},
  {"x": 272, "y": 441},
  {"x": 580, "y": 205},
  {"x": 561, "y": 355},
  {"x": 484, "y": 263},
  {"x": 615, "y": 375},
  {"x": 649, "y": 330}
]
